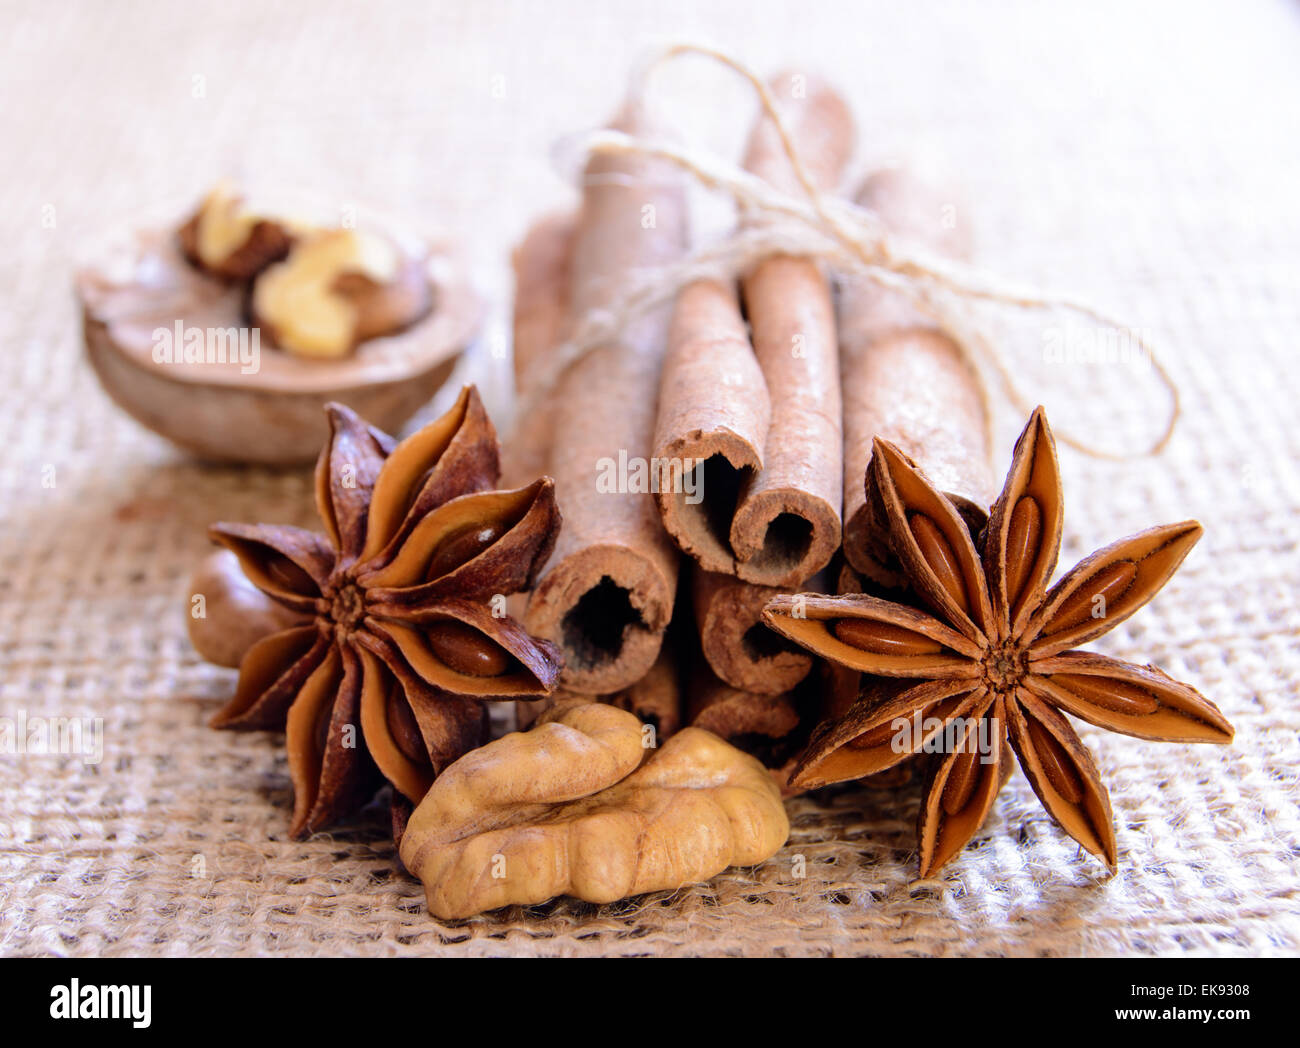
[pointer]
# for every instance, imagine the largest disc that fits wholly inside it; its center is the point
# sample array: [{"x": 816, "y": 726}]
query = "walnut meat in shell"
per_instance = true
[
  {"x": 173, "y": 341},
  {"x": 577, "y": 806}
]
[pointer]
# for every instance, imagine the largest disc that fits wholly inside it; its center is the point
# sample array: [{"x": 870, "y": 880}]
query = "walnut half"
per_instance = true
[{"x": 577, "y": 806}]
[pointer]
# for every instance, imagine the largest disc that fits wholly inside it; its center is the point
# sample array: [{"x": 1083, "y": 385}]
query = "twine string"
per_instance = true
[{"x": 848, "y": 239}]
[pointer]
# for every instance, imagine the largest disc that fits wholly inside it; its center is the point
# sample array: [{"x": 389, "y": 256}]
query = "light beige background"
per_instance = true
[{"x": 1147, "y": 156}]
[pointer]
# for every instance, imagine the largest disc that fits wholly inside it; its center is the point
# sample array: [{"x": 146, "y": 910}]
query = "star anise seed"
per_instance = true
[
  {"x": 994, "y": 657},
  {"x": 404, "y": 590}
]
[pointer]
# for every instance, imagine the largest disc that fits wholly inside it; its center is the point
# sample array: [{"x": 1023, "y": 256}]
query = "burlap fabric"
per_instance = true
[{"x": 1145, "y": 156}]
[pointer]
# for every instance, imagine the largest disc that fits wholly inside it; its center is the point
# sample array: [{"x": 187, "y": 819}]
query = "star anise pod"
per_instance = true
[
  {"x": 404, "y": 631},
  {"x": 992, "y": 658}
]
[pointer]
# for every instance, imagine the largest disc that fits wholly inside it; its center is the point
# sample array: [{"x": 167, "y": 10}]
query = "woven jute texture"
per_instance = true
[{"x": 1144, "y": 156}]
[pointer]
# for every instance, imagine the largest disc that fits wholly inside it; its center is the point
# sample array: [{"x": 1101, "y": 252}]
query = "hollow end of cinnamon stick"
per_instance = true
[
  {"x": 739, "y": 648},
  {"x": 740, "y": 495},
  {"x": 607, "y": 608},
  {"x": 783, "y": 535},
  {"x": 712, "y": 421},
  {"x": 787, "y": 521},
  {"x": 697, "y": 513}
]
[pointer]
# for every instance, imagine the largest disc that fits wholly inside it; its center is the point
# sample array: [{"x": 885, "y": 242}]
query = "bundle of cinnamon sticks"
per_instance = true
[{"x": 715, "y": 452}]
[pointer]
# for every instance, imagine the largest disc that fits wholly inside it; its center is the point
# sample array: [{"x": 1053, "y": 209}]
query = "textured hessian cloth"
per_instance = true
[{"x": 1144, "y": 157}]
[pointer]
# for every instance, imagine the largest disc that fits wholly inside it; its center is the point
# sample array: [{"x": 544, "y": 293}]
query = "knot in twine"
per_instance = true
[{"x": 850, "y": 240}]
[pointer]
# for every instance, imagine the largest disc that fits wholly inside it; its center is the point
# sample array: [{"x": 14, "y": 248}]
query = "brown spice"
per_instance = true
[
  {"x": 1005, "y": 670},
  {"x": 747, "y": 719},
  {"x": 908, "y": 382},
  {"x": 401, "y": 646},
  {"x": 606, "y": 596},
  {"x": 655, "y": 699},
  {"x": 764, "y": 420},
  {"x": 737, "y": 644},
  {"x": 542, "y": 263}
]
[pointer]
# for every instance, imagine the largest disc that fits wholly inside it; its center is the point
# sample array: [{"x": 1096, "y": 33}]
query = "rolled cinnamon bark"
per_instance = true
[
  {"x": 606, "y": 595},
  {"x": 768, "y": 438},
  {"x": 907, "y": 381},
  {"x": 713, "y": 420},
  {"x": 541, "y": 264},
  {"x": 541, "y": 315},
  {"x": 739, "y": 649},
  {"x": 755, "y": 723}
]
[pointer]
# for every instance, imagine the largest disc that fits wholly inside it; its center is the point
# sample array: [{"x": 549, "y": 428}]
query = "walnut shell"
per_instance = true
[
  {"x": 577, "y": 806},
  {"x": 217, "y": 409}
]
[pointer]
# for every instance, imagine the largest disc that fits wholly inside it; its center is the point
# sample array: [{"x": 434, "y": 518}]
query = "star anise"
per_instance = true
[
  {"x": 403, "y": 603},
  {"x": 994, "y": 662}
]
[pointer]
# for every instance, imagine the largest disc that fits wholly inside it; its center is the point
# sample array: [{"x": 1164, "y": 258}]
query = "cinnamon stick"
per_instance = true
[
  {"x": 714, "y": 412},
  {"x": 606, "y": 595},
  {"x": 541, "y": 264},
  {"x": 907, "y": 381},
  {"x": 748, "y": 720},
  {"x": 762, "y": 420},
  {"x": 739, "y": 649}
]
